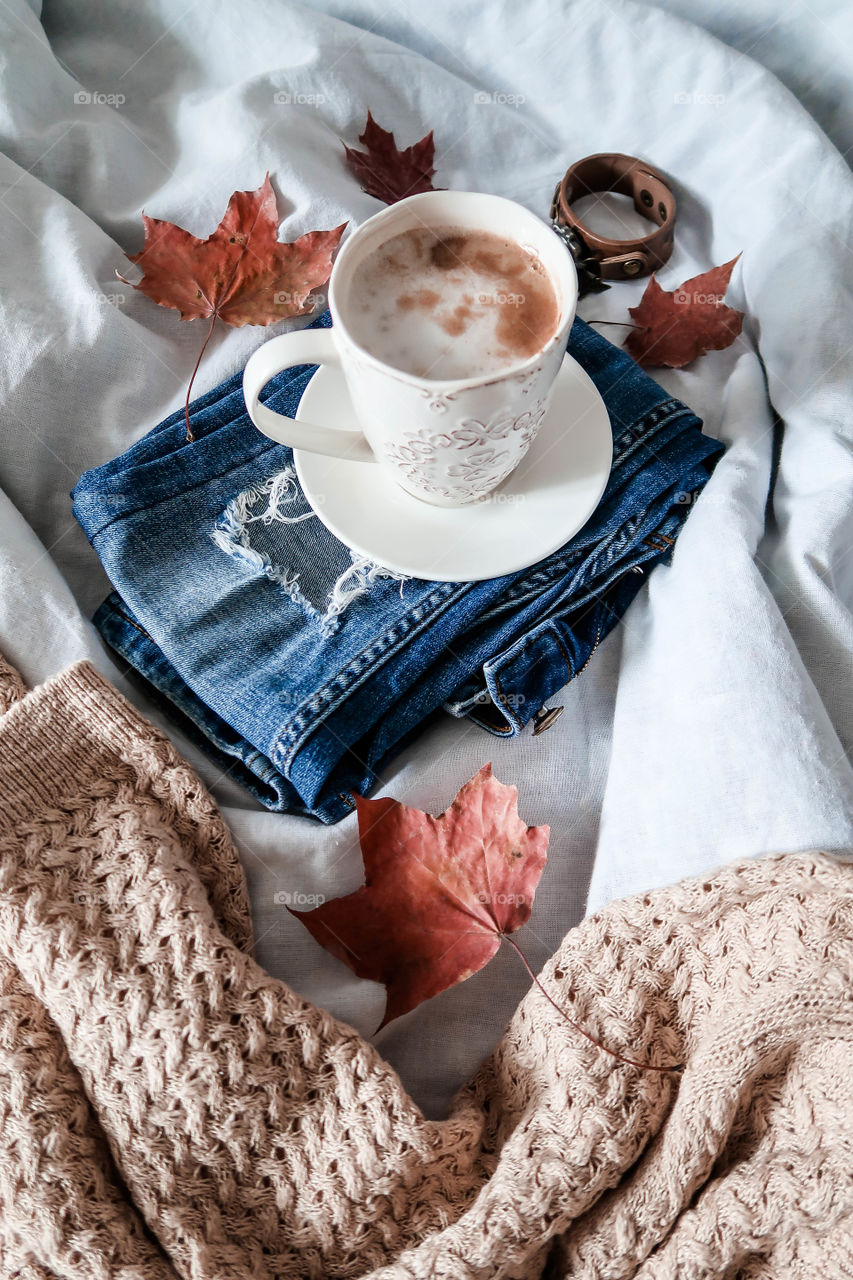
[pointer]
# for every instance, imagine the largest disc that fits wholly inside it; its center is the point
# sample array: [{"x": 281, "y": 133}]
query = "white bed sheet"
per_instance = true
[
  {"x": 806, "y": 43},
  {"x": 717, "y": 721}
]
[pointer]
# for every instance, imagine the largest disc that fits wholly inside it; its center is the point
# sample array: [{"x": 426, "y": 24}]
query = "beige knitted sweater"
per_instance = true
[{"x": 169, "y": 1109}]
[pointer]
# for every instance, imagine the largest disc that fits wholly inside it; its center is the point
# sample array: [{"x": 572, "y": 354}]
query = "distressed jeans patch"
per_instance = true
[{"x": 260, "y": 528}]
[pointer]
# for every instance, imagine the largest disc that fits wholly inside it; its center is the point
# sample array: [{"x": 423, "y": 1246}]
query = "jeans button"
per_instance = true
[{"x": 545, "y": 717}]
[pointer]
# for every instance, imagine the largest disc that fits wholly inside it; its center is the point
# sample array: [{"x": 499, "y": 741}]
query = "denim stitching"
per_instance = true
[
  {"x": 149, "y": 506},
  {"x": 133, "y": 624},
  {"x": 567, "y": 658},
  {"x": 593, "y": 594},
  {"x": 326, "y": 700},
  {"x": 533, "y": 637},
  {"x": 625, "y": 446}
]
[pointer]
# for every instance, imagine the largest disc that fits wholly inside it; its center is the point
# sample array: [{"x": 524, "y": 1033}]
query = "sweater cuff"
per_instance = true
[{"x": 60, "y": 739}]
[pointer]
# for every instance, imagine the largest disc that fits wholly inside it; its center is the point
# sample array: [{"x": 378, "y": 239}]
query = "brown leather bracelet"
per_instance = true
[{"x": 598, "y": 258}]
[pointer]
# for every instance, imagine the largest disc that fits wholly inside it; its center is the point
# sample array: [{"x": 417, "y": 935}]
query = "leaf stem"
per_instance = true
[
  {"x": 190, "y": 436},
  {"x": 630, "y": 1062},
  {"x": 623, "y": 324}
]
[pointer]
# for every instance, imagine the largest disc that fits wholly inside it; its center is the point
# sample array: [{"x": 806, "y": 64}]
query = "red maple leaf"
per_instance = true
[
  {"x": 241, "y": 274},
  {"x": 673, "y": 328},
  {"x": 388, "y": 173},
  {"x": 439, "y": 893}
]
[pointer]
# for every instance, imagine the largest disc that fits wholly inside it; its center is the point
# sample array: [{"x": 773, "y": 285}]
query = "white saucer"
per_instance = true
[{"x": 550, "y": 495}]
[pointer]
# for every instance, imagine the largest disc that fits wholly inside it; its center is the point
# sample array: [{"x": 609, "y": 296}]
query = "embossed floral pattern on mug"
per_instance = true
[{"x": 466, "y": 452}]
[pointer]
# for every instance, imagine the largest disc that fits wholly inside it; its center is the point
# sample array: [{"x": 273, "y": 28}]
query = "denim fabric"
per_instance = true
[{"x": 301, "y": 667}]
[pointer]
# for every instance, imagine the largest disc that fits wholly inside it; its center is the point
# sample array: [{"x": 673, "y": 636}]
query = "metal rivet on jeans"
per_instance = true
[{"x": 545, "y": 717}]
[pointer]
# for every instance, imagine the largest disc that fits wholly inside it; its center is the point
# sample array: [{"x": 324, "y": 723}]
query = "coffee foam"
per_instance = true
[{"x": 445, "y": 302}]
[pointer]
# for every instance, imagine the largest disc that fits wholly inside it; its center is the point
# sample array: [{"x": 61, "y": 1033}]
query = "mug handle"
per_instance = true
[{"x": 307, "y": 346}]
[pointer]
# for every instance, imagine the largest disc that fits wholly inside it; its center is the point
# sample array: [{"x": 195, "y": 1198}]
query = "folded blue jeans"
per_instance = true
[{"x": 302, "y": 667}]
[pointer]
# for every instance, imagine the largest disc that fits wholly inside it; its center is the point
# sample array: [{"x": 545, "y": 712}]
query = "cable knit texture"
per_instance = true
[{"x": 167, "y": 1109}]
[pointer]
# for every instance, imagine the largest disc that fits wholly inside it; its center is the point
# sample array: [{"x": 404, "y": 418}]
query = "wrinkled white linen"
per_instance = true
[{"x": 717, "y": 721}]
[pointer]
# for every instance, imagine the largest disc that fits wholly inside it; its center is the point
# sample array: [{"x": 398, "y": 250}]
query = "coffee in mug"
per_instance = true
[{"x": 448, "y": 302}]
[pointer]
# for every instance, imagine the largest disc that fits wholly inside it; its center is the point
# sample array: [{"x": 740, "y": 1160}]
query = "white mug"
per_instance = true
[{"x": 446, "y": 442}]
